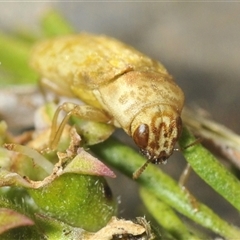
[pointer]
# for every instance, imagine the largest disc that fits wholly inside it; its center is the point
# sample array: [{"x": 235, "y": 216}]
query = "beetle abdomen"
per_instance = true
[{"x": 89, "y": 60}]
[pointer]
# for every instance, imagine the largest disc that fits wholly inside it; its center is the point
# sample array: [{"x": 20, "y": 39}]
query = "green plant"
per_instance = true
[{"x": 68, "y": 189}]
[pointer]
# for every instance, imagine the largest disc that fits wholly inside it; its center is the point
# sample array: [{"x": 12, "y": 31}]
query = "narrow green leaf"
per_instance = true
[
  {"x": 14, "y": 57},
  {"x": 165, "y": 216},
  {"x": 210, "y": 169},
  {"x": 53, "y": 24}
]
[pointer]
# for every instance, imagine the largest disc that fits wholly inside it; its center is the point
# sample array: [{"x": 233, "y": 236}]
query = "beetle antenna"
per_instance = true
[
  {"x": 140, "y": 170},
  {"x": 198, "y": 140}
]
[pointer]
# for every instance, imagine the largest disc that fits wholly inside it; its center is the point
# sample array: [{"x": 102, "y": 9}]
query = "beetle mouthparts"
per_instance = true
[{"x": 160, "y": 159}]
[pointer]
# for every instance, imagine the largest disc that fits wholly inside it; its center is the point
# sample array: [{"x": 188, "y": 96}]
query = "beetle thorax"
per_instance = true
[{"x": 156, "y": 131}]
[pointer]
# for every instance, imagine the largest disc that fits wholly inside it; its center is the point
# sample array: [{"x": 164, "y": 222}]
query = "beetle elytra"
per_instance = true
[{"x": 119, "y": 85}]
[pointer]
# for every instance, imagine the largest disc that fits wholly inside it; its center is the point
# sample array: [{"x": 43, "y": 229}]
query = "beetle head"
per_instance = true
[{"x": 156, "y": 130}]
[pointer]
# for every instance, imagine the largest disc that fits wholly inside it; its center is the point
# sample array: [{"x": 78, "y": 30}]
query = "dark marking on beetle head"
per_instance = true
[{"x": 157, "y": 140}]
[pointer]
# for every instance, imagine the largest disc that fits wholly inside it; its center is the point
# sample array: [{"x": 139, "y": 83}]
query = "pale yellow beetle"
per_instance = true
[{"x": 120, "y": 86}]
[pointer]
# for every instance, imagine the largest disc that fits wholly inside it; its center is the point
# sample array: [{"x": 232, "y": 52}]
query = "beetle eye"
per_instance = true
[{"x": 141, "y": 135}]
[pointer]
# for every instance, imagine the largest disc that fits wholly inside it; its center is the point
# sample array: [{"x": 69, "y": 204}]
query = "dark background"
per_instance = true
[{"x": 199, "y": 43}]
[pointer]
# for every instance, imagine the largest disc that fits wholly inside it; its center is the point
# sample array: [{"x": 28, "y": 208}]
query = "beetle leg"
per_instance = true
[
  {"x": 182, "y": 182},
  {"x": 82, "y": 111},
  {"x": 185, "y": 175}
]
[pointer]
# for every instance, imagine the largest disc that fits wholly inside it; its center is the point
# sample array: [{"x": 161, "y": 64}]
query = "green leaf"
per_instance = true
[
  {"x": 92, "y": 132},
  {"x": 10, "y": 219},
  {"x": 79, "y": 200},
  {"x": 53, "y": 24},
  {"x": 84, "y": 163},
  {"x": 55, "y": 229},
  {"x": 165, "y": 216},
  {"x": 210, "y": 169},
  {"x": 14, "y": 66}
]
